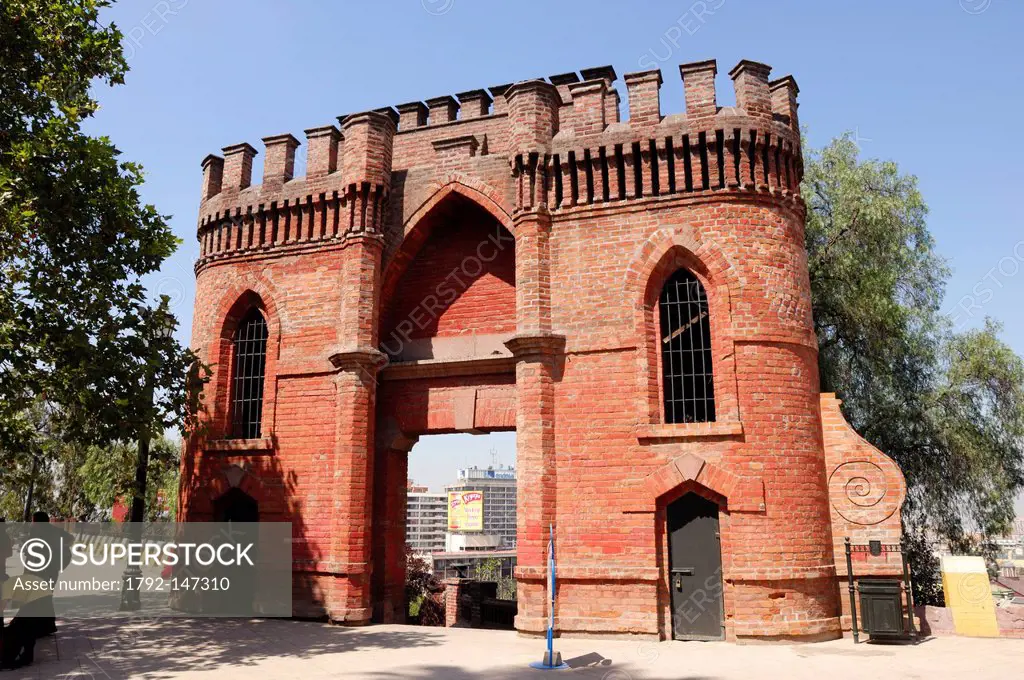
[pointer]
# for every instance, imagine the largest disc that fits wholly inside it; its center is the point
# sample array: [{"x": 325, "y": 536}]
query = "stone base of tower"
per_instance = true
[
  {"x": 797, "y": 610},
  {"x": 790, "y": 610},
  {"x": 590, "y": 607},
  {"x": 338, "y": 598}
]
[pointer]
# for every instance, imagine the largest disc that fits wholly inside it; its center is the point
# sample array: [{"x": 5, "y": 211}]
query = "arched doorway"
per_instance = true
[
  {"x": 242, "y": 511},
  {"x": 236, "y": 506}
]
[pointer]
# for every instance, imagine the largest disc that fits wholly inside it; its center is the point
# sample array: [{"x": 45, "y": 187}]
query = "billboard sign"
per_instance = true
[{"x": 465, "y": 511}]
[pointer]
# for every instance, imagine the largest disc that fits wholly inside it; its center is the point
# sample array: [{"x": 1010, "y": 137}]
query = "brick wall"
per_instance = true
[
  {"x": 570, "y": 222},
  {"x": 866, "y": 491},
  {"x": 464, "y": 259}
]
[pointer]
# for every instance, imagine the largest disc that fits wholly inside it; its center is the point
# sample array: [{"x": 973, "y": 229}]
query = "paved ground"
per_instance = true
[{"x": 267, "y": 650}]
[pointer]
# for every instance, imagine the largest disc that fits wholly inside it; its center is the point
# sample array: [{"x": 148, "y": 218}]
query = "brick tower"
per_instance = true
[{"x": 630, "y": 297}]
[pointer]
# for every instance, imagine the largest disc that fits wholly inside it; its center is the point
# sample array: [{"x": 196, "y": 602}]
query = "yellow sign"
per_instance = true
[
  {"x": 465, "y": 511},
  {"x": 969, "y": 596}
]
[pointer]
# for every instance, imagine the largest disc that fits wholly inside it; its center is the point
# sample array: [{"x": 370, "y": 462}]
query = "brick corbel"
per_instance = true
[
  {"x": 742, "y": 493},
  {"x": 390, "y": 436},
  {"x": 539, "y": 344},
  {"x": 357, "y": 358}
]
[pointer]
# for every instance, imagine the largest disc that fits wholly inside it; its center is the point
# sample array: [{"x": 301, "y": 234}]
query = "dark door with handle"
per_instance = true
[{"x": 695, "y": 569}]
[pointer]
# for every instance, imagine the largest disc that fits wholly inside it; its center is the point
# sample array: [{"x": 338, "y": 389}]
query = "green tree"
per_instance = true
[
  {"x": 490, "y": 570},
  {"x": 84, "y": 482},
  {"x": 76, "y": 240},
  {"x": 108, "y": 475},
  {"x": 947, "y": 406},
  {"x": 422, "y": 590}
]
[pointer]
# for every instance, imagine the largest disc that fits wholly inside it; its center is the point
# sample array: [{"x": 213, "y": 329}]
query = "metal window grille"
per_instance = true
[
  {"x": 250, "y": 362},
  {"x": 688, "y": 381}
]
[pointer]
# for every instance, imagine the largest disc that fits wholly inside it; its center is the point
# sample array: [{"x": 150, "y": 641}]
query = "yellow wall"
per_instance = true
[{"x": 969, "y": 596}]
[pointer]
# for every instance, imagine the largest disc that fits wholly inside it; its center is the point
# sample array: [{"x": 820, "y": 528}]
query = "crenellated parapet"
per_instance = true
[
  {"x": 752, "y": 147},
  {"x": 561, "y": 138}
]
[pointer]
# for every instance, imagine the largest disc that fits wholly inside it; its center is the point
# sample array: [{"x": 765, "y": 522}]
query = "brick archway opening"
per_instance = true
[
  {"x": 448, "y": 308},
  {"x": 236, "y": 506},
  {"x": 453, "y": 513}
]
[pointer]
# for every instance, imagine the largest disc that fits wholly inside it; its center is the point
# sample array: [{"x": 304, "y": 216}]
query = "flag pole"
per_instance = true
[{"x": 552, "y": 659}]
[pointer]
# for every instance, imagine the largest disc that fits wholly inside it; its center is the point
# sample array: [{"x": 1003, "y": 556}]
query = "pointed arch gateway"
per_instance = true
[
  {"x": 448, "y": 305},
  {"x": 416, "y": 228}
]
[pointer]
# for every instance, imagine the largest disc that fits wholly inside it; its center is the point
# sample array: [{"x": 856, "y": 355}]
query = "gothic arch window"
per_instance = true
[
  {"x": 685, "y": 340},
  {"x": 250, "y": 362}
]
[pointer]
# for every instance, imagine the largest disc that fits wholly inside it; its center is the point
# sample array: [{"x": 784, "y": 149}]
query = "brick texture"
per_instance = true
[{"x": 498, "y": 268}]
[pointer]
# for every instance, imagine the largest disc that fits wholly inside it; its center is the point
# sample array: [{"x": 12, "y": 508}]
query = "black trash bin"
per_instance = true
[{"x": 881, "y": 608}]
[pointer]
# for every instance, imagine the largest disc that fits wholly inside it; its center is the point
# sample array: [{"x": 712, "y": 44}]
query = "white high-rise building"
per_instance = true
[{"x": 426, "y": 520}]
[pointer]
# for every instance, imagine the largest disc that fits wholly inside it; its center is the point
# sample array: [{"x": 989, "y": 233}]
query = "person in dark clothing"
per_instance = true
[
  {"x": 37, "y": 618},
  {"x": 60, "y": 543}
]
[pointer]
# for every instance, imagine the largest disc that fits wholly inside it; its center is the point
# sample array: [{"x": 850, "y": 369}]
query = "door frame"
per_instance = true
[{"x": 665, "y": 544}]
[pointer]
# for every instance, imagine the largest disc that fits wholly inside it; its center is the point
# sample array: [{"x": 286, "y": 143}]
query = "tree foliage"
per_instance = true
[
  {"x": 75, "y": 241},
  {"x": 107, "y": 476},
  {"x": 490, "y": 570},
  {"x": 947, "y": 406},
  {"x": 73, "y": 480},
  {"x": 422, "y": 590}
]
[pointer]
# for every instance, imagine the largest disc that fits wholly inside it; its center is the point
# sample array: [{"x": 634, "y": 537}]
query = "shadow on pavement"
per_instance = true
[{"x": 119, "y": 648}]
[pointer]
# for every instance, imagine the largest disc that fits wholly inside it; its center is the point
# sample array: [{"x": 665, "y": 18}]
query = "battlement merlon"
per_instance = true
[
  {"x": 699, "y": 88},
  {"x": 474, "y": 104},
  {"x": 532, "y": 116},
  {"x": 237, "y": 173},
  {"x": 279, "y": 161},
  {"x": 366, "y": 168},
  {"x": 784, "y": 91},
  {"x": 442, "y": 110},
  {"x": 644, "y": 100},
  {"x": 750, "y": 80},
  {"x": 213, "y": 175},
  {"x": 322, "y": 150}
]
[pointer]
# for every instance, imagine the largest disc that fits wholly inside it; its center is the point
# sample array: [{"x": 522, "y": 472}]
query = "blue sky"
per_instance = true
[{"x": 934, "y": 85}]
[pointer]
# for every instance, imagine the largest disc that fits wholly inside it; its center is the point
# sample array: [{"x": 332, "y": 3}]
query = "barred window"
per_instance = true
[
  {"x": 247, "y": 387},
  {"x": 688, "y": 383}
]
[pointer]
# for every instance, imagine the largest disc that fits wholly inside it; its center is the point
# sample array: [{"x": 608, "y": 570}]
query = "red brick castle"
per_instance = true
[{"x": 631, "y": 297}]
